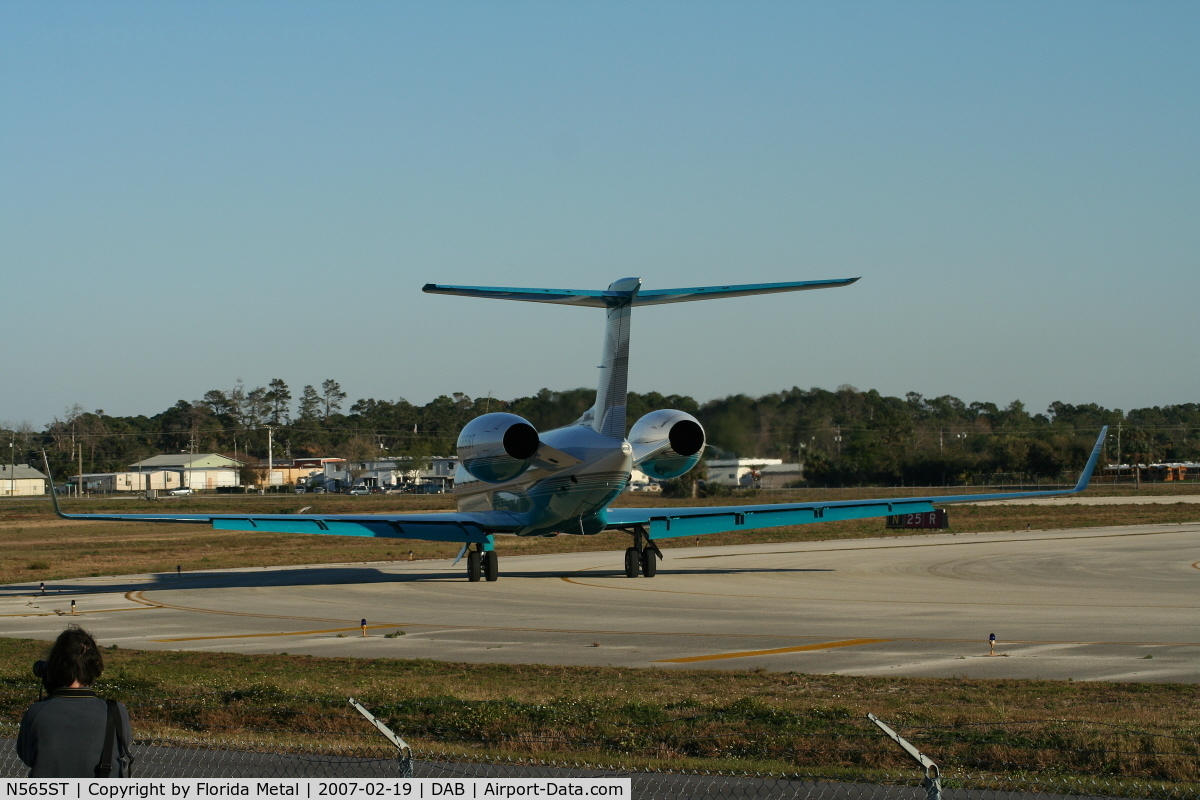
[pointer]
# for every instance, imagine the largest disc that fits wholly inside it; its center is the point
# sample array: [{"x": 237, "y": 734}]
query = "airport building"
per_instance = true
[
  {"x": 329, "y": 473},
  {"x": 197, "y": 470},
  {"x": 127, "y": 481},
  {"x": 745, "y": 473},
  {"x": 20, "y": 480},
  {"x": 780, "y": 476},
  {"x": 1151, "y": 473},
  {"x": 436, "y": 471}
]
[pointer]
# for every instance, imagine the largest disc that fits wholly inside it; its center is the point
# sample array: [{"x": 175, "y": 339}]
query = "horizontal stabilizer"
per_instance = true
[
  {"x": 564, "y": 296},
  {"x": 652, "y": 297},
  {"x": 634, "y": 296}
]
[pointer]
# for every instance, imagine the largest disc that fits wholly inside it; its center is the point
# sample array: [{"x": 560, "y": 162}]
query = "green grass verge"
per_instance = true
[{"x": 647, "y": 718}]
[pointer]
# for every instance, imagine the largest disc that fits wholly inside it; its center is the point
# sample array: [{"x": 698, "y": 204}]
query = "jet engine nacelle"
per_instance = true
[
  {"x": 666, "y": 443},
  {"x": 497, "y": 447}
]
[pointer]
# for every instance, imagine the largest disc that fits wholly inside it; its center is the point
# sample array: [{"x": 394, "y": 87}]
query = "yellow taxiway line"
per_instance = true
[{"x": 748, "y": 653}]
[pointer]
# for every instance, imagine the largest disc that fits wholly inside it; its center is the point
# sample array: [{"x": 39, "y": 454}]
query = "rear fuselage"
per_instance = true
[{"x": 541, "y": 502}]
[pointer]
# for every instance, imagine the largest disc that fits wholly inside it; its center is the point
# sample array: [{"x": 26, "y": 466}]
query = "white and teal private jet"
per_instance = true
[{"x": 517, "y": 481}]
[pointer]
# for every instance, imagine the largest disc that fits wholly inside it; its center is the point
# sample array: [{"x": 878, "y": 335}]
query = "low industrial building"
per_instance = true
[
  {"x": 437, "y": 471},
  {"x": 1161, "y": 471},
  {"x": 20, "y": 480},
  {"x": 127, "y": 481},
  {"x": 741, "y": 472},
  {"x": 780, "y": 476},
  {"x": 197, "y": 470},
  {"x": 312, "y": 471}
]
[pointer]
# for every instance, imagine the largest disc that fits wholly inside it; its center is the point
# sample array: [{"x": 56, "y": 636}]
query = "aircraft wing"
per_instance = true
[
  {"x": 667, "y": 523},
  {"x": 446, "y": 527}
]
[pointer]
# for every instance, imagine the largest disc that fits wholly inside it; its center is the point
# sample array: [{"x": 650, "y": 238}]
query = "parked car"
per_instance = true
[
  {"x": 358, "y": 490},
  {"x": 180, "y": 491},
  {"x": 300, "y": 490}
]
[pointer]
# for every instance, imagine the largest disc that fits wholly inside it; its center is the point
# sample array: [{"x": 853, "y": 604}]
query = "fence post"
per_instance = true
[
  {"x": 405, "y": 759},
  {"x": 933, "y": 775}
]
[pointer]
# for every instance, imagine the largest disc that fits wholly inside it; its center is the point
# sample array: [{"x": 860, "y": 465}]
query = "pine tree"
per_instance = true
[
  {"x": 332, "y": 396},
  {"x": 310, "y": 404},
  {"x": 279, "y": 397}
]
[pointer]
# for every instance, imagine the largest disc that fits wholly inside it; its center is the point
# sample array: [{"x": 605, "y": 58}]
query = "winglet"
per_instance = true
[
  {"x": 1086, "y": 476},
  {"x": 53, "y": 489}
]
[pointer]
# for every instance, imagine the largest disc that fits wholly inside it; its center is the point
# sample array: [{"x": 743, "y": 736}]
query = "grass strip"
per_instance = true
[{"x": 719, "y": 720}]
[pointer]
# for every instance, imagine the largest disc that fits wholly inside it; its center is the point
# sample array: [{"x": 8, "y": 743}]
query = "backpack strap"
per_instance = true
[
  {"x": 124, "y": 757},
  {"x": 104, "y": 768}
]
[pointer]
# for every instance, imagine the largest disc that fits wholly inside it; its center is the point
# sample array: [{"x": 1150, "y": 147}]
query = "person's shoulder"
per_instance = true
[
  {"x": 36, "y": 708},
  {"x": 122, "y": 709}
]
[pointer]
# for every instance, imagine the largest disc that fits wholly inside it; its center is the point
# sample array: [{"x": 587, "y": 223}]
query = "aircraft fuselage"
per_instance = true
[{"x": 540, "y": 502}]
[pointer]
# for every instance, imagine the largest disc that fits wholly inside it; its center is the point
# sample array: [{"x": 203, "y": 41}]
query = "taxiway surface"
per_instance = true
[{"x": 1116, "y": 603}]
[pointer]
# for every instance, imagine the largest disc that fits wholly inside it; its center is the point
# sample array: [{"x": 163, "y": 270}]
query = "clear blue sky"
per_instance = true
[{"x": 192, "y": 193}]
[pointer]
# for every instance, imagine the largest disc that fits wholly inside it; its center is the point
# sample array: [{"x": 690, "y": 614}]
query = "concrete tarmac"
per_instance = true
[{"x": 1116, "y": 604}]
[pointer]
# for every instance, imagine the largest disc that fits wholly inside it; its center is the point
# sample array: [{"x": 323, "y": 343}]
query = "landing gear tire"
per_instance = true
[
  {"x": 649, "y": 563},
  {"x": 491, "y": 566},
  {"x": 473, "y": 566},
  {"x": 631, "y": 563}
]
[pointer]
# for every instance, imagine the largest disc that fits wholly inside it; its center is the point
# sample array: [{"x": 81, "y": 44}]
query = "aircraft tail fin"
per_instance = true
[{"x": 607, "y": 416}]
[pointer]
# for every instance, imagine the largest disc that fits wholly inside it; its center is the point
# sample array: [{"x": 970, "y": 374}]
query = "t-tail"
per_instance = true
[{"x": 607, "y": 416}]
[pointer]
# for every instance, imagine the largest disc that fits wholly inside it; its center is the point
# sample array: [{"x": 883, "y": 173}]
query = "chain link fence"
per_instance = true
[
  {"x": 157, "y": 758},
  {"x": 987, "y": 761}
]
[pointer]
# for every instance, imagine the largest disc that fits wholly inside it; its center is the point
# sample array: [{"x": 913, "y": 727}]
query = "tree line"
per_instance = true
[{"x": 843, "y": 437}]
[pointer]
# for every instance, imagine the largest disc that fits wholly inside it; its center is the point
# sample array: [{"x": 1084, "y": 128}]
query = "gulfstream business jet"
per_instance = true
[{"x": 515, "y": 480}]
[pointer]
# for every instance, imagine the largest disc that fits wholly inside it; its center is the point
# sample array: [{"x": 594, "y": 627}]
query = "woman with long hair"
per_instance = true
[{"x": 73, "y": 733}]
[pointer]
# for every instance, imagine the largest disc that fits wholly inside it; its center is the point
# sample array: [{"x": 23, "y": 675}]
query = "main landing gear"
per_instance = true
[
  {"x": 642, "y": 556},
  {"x": 482, "y": 563}
]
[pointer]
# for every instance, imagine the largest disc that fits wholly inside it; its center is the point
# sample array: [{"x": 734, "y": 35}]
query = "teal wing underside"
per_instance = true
[
  {"x": 667, "y": 523},
  {"x": 455, "y": 527}
]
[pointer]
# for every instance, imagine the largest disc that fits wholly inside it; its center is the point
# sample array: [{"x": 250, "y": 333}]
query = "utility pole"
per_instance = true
[
  {"x": 81, "y": 469},
  {"x": 72, "y": 458},
  {"x": 12, "y": 476},
  {"x": 270, "y": 459},
  {"x": 1118, "y": 448}
]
